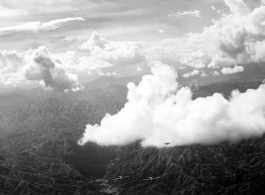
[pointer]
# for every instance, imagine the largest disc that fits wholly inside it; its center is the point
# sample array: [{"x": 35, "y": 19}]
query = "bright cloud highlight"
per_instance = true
[{"x": 158, "y": 111}]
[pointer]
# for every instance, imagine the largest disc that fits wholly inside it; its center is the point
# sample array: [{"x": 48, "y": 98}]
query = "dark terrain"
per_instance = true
[{"x": 39, "y": 153}]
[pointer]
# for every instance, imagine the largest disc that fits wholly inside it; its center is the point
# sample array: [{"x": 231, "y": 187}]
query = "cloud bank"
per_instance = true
[
  {"x": 18, "y": 68},
  {"x": 158, "y": 111}
]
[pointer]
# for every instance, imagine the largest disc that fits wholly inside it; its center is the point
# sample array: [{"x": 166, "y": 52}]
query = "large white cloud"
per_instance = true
[
  {"x": 157, "y": 112},
  {"x": 50, "y": 73}
]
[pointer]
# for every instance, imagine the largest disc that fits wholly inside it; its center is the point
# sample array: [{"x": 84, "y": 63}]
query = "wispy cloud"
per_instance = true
[
  {"x": 193, "y": 13},
  {"x": 40, "y": 26}
]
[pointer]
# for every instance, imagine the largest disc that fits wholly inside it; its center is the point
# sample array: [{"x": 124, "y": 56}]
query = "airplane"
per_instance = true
[
  {"x": 167, "y": 143},
  {"x": 151, "y": 178},
  {"x": 121, "y": 178}
]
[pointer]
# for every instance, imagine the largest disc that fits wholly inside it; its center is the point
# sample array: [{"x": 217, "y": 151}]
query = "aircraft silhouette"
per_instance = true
[
  {"x": 120, "y": 178},
  {"x": 167, "y": 143},
  {"x": 152, "y": 178}
]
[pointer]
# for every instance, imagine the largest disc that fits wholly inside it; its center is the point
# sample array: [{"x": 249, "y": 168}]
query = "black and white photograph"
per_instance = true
[{"x": 132, "y": 97}]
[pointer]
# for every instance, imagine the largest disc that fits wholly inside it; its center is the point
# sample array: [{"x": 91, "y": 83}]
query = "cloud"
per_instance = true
[
  {"x": 229, "y": 70},
  {"x": 196, "y": 59},
  {"x": 73, "y": 61},
  {"x": 237, "y": 38},
  {"x": 39, "y": 26},
  {"x": 107, "y": 73},
  {"x": 14, "y": 66},
  {"x": 11, "y": 67},
  {"x": 192, "y": 73},
  {"x": 139, "y": 68},
  {"x": 158, "y": 111},
  {"x": 114, "y": 52},
  {"x": 215, "y": 73},
  {"x": 243, "y": 7},
  {"x": 193, "y": 13},
  {"x": 94, "y": 41},
  {"x": 10, "y": 61},
  {"x": 204, "y": 74},
  {"x": 173, "y": 49},
  {"x": 51, "y": 74},
  {"x": 4, "y": 12}
]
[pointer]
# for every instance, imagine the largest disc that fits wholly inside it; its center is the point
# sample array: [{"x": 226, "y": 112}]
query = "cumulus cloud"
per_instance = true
[
  {"x": 15, "y": 66},
  {"x": 243, "y": 7},
  {"x": 94, "y": 41},
  {"x": 237, "y": 38},
  {"x": 114, "y": 52},
  {"x": 50, "y": 73},
  {"x": 72, "y": 60},
  {"x": 18, "y": 68},
  {"x": 159, "y": 111},
  {"x": 40, "y": 26},
  {"x": 192, "y": 73},
  {"x": 196, "y": 59},
  {"x": 11, "y": 67},
  {"x": 229, "y": 70},
  {"x": 10, "y": 61}
]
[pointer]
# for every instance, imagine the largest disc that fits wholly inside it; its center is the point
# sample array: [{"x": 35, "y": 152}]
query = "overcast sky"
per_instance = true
[{"x": 61, "y": 44}]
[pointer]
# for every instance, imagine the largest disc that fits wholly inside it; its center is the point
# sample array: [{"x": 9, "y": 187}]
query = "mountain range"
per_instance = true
[{"x": 39, "y": 153}]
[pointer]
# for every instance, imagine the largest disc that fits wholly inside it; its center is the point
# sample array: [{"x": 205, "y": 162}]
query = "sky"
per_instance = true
[{"x": 62, "y": 44}]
